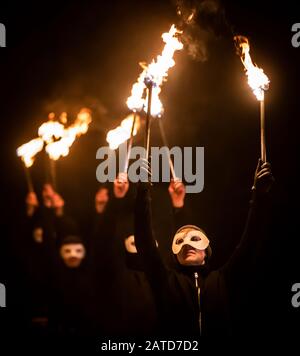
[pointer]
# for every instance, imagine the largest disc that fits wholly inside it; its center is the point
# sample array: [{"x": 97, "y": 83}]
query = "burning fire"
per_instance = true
[
  {"x": 29, "y": 150},
  {"x": 56, "y": 149},
  {"x": 81, "y": 124},
  {"x": 59, "y": 148},
  {"x": 257, "y": 79},
  {"x": 122, "y": 133},
  {"x": 155, "y": 73},
  {"x": 51, "y": 130}
]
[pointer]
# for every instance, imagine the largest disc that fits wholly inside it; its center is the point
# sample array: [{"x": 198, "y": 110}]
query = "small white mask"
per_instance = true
[
  {"x": 38, "y": 235},
  {"x": 72, "y": 254},
  {"x": 130, "y": 244},
  {"x": 194, "y": 238}
]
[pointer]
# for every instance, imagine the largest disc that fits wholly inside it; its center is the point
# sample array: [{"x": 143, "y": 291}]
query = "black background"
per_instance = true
[{"x": 61, "y": 56}]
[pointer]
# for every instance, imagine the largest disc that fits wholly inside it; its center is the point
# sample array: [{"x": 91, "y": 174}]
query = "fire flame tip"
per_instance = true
[
  {"x": 155, "y": 74},
  {"x": 28, "y": 150},
  {"x": 122, "y": 133},
  {"x": 257, "y": 79}
]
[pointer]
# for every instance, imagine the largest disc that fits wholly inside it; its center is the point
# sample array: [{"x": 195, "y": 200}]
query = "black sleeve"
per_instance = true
[
  {"x": 145, "y": 242},
  {"x": 181, "y": 217},
  {"x": 104, "y": 246},
  {"x": 105, "y": 223},
  {"x": 244, "y": 260}
]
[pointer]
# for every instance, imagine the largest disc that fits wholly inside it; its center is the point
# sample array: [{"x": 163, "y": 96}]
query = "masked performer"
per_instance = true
[{"x": 192, "y": 300}]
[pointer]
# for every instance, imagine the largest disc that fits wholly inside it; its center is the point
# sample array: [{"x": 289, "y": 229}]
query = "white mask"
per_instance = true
[
  {"x": 72, "y": 254},
  {"x": 38, "y": 235},
  {"x": 130, "y": 244},
  {"x": 194, "y": 238}
]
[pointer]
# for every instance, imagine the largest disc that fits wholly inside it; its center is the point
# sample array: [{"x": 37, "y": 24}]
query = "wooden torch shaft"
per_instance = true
[
  {"x": 148, "y": 122},
  {"x": 262, "y": 132},
  {"x": 28, "y": 180},
  {"x": 130, "y": 143},
  {"x": 164, "y": 138}
]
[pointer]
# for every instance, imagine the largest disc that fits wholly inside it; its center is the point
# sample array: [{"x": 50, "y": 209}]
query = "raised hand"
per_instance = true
[
  {"x": 31, "y": 203},
  {"x": 121, "y": 185},
  {"x": 177, "y": 193},
  {"x": 263, "y": 178}
]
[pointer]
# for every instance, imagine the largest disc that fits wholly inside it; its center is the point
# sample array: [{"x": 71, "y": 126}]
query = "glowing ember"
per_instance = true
[
  {"x": 28, "y": 151},
  {"x": 122, "y": 133},
  {"x": 155, "y": 73},
  {"x": 257, "y": 79}
]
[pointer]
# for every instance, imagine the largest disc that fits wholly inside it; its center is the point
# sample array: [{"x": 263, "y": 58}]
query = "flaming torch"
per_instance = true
[
  {"x": 258, "y": 81},
  {"x": 151, "y": 79},
  {"x": 127, "y": 130},
  {"x": 55, "y": 150},
  {"x": 61, "y": 147},
  {"x": 27, "y": 153},
  {"x": 51, "y": 131}
]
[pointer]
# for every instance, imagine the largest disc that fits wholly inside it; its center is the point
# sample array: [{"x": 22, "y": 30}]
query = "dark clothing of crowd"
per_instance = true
[{"x": 117, "y": 293}]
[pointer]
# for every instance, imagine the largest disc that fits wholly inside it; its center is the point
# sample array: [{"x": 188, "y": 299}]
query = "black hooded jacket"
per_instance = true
[
  {"x": 125, "y": 301},
  {"x": 72, "y": 301},
  {"x": 193, "y": 300}
]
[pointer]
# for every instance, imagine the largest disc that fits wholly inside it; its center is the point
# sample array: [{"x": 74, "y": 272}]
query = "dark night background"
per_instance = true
[{"x": 62, "y": 56}]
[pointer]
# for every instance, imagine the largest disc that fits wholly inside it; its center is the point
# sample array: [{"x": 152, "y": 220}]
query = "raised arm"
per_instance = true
[
  {"x": 107, "y": 213},
  {"x": 181, "y": 214},
  {"x": 145, "y": 242},
  {"x": 255, "y": 234}
]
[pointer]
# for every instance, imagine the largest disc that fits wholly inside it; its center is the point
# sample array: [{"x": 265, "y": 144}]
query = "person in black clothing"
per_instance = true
[
  {"x": 48, "y": 220},
  {"x": 192, "y": 300},
  {"x": 136, "y": 294},
  {"x": 36, "y": 238},
  {"x": 122, "y": 286},
  {"x": 72, "y": 300},
  {"x": 107, "y": 255},
  {"x": 139, "y": 315}
]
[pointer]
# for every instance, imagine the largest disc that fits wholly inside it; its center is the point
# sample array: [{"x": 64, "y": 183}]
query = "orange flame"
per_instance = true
[
  {"x": 61, "y": 148},
  {"x": 156, "y": 73},
  {"x": 122, "y": 133},
  {"x": 257, "y": 79},
  {"x": 28, "y": 151},
  {"x": 51, "y": 130},
  {"x": 81, "y": 124}
]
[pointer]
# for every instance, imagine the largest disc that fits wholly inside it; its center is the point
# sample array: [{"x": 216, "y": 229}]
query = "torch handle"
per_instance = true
[
  {"x": 262, "y": 132},
  {"x": 53, "y": 173},
  {"x": 130, "y": 143},
  {"x": 28, "y": 180},
  {"x": 164, "y": 138},
  {"x": 148, "y": 122}
]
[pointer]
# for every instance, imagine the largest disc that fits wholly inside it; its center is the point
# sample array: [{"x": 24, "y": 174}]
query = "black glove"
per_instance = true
[{"x": 263, "y": 178}]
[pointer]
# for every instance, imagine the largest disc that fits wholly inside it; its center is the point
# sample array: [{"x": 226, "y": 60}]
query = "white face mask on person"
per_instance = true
[
  {"x": 72, "y": 254},
  {"x": 129, "y": 243},
  {"x": 194, "y": 238},
  {"x": 189, "y": 246}
]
